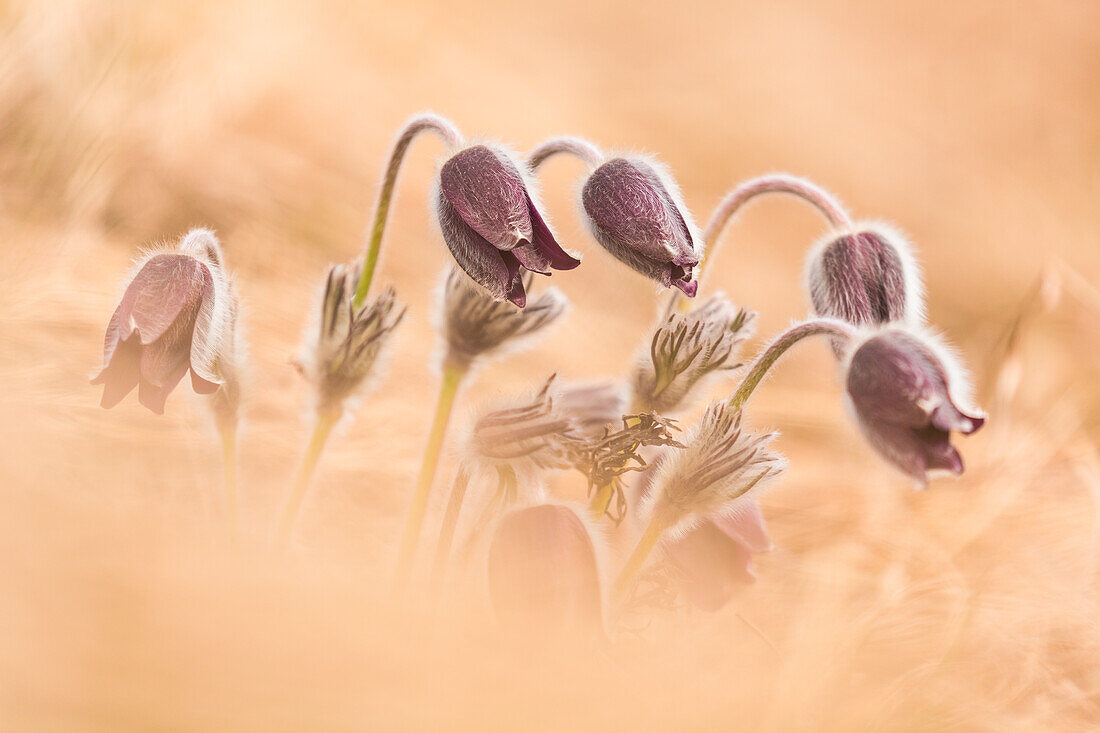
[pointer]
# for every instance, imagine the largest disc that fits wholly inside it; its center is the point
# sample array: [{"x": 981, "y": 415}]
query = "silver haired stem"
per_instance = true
[
  {"x": 413, "y": 127},
  {"x": 827, "y": 326},
  {"x": 831, "y": 208},
  {"x": 577, "y": 146}
]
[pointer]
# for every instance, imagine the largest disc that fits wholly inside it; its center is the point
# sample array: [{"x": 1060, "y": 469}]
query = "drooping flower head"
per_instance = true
[
  {"x": 176, "y": 315},
  {"x": 343, "y": 348},
  {"x": 686, "y": 349},
  {"x": 905, "y": 391},
  {"x": 476, "y": 325},
  {"x": 543, "y": 572},
  {"x": 716, "y": 469},
  {"x": 635, "y": 212},
  {"x": 490, "y": 220},
  {"x": 714, "y": 558},
  {"x": 867, "y": 277}
]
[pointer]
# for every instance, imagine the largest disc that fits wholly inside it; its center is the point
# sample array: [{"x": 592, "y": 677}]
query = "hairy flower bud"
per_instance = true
[
  {"x": 635, "y": 212},
  {"x": 903, "y": 388},
  {"x": 475, "y": 325},
  {"x": 535, "y": 434},
  {"x": 543, "y": 572},
  {"x": 176, "y": 315},
  {"x": 715, "y": 557},
  {"x": 491, "y": 223},
  {"x": 867, "y": 277},
  {"x": 594, "y": 408},
  {"x": 718, "y": 466},
  {"x": 686, "y": 349},
  {"x": 343, "y": 348}
]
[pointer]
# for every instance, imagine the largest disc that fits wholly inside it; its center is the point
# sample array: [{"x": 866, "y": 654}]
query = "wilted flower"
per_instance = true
[
  {"x": 635, "y": 212},
  {"x": 474, "y": 324},
  {"x": 904, "y": 390},
  {"x": 344, "y": 348},
  {"x": 491, "y": 224},
  {"x": 687, "y": 348},
  {"x": 718, "y": 466},
  {"x": 176, "y": 314},
  {"x": 543, "y": 572},
  {"x": 715, "y": 557},
  {"x": 867, "y": 277},
  {"x": 536, "y": 434}
]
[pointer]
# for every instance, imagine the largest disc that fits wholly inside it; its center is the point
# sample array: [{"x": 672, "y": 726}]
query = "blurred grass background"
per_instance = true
[{"x": 973, "y": 126}]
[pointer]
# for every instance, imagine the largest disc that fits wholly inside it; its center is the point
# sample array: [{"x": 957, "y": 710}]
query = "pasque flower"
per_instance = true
[
  {"x": 716, "y": 556},
  {"x": 543, "y": 572},
  {"x": 866, "y": 276},
  {"x": 176, "y": 315},
  {"x": 635, "y": 212},
  {"x": 490, "y": 221},
  {"x": 905, "y": 391}
]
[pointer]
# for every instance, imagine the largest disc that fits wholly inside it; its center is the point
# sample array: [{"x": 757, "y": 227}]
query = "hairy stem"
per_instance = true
[
  {"x": 448, "y": 390},
  {"x": 577, "y": 146},
  {"x": 808, "y": 191},
  {"x": 321, "y": 431},
  {"x": 637, "y": 558},
  {"x": 829, "y": 326},
  {"x": 413, "y": 127}
]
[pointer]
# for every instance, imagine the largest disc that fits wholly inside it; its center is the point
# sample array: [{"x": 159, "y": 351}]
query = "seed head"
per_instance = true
[
  {"x": 635, "y": 212},
  {"x": 475, "y": 325},
  {"x": 489, "y": 219},
  {"x": 718, "y": 467},
  {"x": 176, "y": 314},
  {"x": 344, "y": 347},
  {"x": 686, "y": 349},
  {"x": 905, "y": 391},
  {"x": 867, "y": 277}
]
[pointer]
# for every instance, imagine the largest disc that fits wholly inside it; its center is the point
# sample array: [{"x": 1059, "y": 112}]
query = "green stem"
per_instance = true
[
  {"x": 779, "y": 346},
  {"x": 228, "y": 434},
  {"x": 637, "y": 558},
  {"x": 321, "y": 430},
  {"x": 448, "y": 390},
  {"x": 413, "y": 127},
  {"x": 833, "y": 211},
  {"x": 601, "y": 500}
]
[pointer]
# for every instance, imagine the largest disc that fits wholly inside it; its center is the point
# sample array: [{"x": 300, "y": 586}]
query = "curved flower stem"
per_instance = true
[
  {"x": 228, "y": 434},
  {"x": 779, "y": 346},
  {"x": 637, "y": 558},
  {"x": 321, "y": 430},
  {"x": 413, "y": 127},
  {"x": 447, "y": 531},
  {"x": 577, "y": 146},
  {"x": 448, "y": 390},
  {"x": 833, "y": 211}
]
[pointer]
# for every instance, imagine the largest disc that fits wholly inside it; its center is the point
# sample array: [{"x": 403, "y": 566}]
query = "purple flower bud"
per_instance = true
[
  {"x": 491, "y": 224},
  {"x": 543, "y": 573},
  {"x": 176, "y": 314},
  {"x": 867, "y": 277},
  {"x": 902, "y": 389},
  {"x": 635, "y": 212},
  {"x": 715, "y": 557}
]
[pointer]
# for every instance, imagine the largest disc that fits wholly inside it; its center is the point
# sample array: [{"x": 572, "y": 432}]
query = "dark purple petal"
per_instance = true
[
  {"x": 496, "y": 271},
  {"x": 860, "y": 278},
  {"x": 543, "y": 239},
  {"x": 487, "y": 191}
]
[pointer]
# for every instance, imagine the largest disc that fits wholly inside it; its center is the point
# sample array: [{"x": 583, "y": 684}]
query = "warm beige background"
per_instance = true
[{"x": 971, "y": 125}]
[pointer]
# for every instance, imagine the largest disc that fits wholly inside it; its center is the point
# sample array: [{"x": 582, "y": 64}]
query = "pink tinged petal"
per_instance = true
[
  {"x": 153, "y": 396},
  {"x": 205, "y": 337},
  {"x": 203, "y": 386},
  {"x": 542, "y": 572},
  {"x": 746, "y": 523},
  {"x": 689, "y": 288},
  {"x": 487, "y": 191},
  {"x": 543, "y": 239},
  {"x": 166, "y": 287},
  {"x": 712, "y": 565},
  {"x": 121, "y": 375}
]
